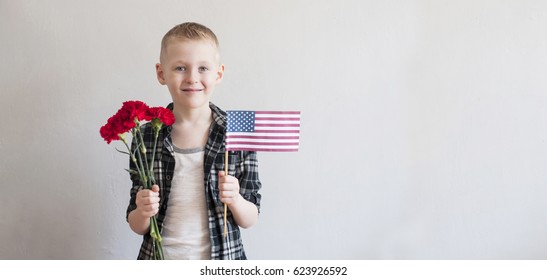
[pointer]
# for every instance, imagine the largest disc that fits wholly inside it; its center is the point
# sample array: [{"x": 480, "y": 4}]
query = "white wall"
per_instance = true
[{"x": 423, "y": 136}]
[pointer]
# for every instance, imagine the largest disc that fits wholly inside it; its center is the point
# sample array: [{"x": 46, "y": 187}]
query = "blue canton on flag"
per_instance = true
[{"x": 241, "y": 121}]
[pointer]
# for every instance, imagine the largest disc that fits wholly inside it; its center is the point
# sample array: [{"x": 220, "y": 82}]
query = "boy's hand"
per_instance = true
[
  {"x": 148, "y": 201},
  {"x": 229, "y": 188}
]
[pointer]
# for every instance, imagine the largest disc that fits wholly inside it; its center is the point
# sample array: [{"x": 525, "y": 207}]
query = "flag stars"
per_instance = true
[{"x": 241, "y": 121}]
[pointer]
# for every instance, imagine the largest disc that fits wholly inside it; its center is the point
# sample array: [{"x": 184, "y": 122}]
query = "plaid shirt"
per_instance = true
[{"x": 242, "y": 164}]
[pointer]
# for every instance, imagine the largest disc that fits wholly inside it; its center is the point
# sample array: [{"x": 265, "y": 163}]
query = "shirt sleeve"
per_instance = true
[{"x": 249, "y": 182}]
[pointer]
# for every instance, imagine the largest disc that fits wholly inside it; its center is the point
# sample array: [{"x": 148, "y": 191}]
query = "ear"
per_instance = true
[
  {"x": 159, "y": 74},
  {"x": 220, "y": 73}
]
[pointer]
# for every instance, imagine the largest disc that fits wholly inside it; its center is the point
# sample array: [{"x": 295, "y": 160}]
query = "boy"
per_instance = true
[{"x": 193, "y": 188}]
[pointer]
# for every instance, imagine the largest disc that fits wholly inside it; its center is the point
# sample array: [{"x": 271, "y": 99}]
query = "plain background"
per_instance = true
[{"x": 423, "y": 123}]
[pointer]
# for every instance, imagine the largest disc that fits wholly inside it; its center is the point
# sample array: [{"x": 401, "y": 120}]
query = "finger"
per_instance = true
[
  {"x": 147, "y": 193},
  {"x": 149, "y": 212},
  {"x": 227, "y": 193},
  {"x": 227, "y": 187},
  {"x": 225, "y": 199},
  {"x": 147, "y": 200},
  {"x": 227, "y": 179},
  {"x": 149, "y": 209},
  {"x": 150, "y": 200},
  {"x": 152, "y": 207},
  {"x": 156, "y": 188},
  {"x": 229, "y": 199},
  {"x": 222, "y": 177}
]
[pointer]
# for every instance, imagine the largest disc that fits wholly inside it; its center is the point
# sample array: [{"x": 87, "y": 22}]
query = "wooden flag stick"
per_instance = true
[{"x": 225, "y": 206}]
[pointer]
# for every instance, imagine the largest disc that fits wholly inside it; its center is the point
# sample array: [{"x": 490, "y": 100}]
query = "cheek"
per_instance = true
[
  {"x": 174, "y": 80},
  {"x": 211, "y": 80}
]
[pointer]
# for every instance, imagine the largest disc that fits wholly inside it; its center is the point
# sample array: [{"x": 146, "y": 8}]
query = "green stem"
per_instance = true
[
  {"x": 158, "y": 248},
  {"x": 156, "y": 237},
  {"x": 143, "y": 151},
  {"x": 139, "y": 168},
  {"x": 143, "y": 170},
  {"x": 144, "y": 177},
  {"x": 152, "y": 177}
]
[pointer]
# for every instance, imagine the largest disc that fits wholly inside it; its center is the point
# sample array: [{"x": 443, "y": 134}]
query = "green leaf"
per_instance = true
[
  {"x": 131, "y": 171},
  {"x": 123, "y": 152}
]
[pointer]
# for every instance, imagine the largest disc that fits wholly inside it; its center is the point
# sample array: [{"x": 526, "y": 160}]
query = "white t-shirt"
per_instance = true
[{"x": 185, "y": 231}]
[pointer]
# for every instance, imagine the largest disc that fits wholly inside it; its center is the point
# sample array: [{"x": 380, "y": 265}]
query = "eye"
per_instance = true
[
  {"x": 203, "y": 69},
  {"x": 180, "y": 68}
]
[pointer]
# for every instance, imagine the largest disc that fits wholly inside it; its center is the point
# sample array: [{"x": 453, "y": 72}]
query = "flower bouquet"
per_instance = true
[{"x": 128, "y": 119}]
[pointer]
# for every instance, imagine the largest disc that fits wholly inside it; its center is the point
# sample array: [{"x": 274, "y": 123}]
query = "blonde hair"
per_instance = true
[{"x": 188, "y": 31}]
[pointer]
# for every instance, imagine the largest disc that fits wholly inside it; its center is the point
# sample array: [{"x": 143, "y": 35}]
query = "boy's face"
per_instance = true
[{"x": 190, "y": 69}]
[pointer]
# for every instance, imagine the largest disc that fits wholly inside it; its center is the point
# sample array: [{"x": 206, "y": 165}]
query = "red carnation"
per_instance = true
[
  {"x": 163, "y": 114},
  {"x": 108, "y": 133},
  {"x": 129, "y": 115},
  {"x": 113, "y": 128},
  {"x": 130, "y": 112},
  {"x": 135, "y": 109},
  {"x": 124, "y": 119}
]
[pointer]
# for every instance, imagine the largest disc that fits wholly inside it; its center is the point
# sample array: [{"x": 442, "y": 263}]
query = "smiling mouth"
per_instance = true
[{"x": 192, "y": 90}]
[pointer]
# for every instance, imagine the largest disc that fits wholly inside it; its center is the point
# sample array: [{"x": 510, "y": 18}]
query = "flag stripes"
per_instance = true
[{"x": 271, "y": 131}]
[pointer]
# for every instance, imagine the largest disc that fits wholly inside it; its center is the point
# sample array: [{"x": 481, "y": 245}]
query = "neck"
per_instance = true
[{"x": 192, "y": 115}]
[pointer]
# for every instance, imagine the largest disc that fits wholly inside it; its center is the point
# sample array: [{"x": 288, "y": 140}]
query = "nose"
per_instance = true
[{"x": 192, "y": 77}]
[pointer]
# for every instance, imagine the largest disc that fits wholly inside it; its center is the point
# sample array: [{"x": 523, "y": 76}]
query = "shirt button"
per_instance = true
[{"x": 168, "y": 177}]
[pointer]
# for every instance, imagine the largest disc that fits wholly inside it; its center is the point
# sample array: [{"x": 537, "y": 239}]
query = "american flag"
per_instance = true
[{"x": 265, "y": 131}]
